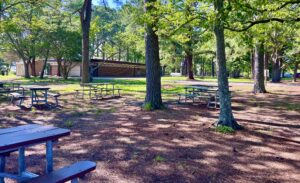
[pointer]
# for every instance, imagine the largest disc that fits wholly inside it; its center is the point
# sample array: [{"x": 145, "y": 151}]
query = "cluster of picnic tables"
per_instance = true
[{"x": 40, "y": 94}]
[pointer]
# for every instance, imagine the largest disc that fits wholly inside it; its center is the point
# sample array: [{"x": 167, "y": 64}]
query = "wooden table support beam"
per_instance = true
[
  {"x": 49, "y": 156},
  {"x": 2, "y": 167}
]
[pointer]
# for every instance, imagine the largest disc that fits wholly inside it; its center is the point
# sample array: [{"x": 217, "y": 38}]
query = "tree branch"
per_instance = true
[
  {"x": 270, "y": 10},
  {"x": 251, "y": 24}
]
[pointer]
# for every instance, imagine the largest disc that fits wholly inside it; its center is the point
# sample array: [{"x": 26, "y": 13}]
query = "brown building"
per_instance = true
[
  {"x": 109, "y": 68},
  {"x": 101, "y": 68}
]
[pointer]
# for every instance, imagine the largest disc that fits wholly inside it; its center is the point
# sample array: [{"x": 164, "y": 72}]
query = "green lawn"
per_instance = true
[{"x": 134, "y": 86}]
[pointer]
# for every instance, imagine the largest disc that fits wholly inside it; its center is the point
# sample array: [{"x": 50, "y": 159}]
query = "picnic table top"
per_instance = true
[
  {"x": 36, "y": 87},
  {"x": 27, "y": 135},
  {"x": 95, "y": 84},
  {"x": 201, "y": 87}
]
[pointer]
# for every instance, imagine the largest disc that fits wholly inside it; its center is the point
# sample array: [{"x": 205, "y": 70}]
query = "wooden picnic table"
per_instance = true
[
  {"x": 19, "y": 138},
  {"x": 207, "y": 92},
  {"x": 96, "y": 87},
  {"x": 38, "y": 94}
]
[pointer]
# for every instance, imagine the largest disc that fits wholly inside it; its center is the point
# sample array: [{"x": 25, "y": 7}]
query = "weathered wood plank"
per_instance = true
[
  {"x": 29, "y": 131},
  {"x": 67, "y": 173},
  {"x": 18, "y": 128},
  {"x": 30, "y": 139}
]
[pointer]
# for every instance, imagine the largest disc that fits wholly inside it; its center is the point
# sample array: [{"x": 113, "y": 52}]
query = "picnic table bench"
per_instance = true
[
  {"x": 68, "y": 173},
  {"x": 21, "y": 137},
  {"x": 17, "y": 96}
]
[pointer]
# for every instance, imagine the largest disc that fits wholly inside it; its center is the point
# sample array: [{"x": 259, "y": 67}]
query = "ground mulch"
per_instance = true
[{"x": 177, "y": 144}]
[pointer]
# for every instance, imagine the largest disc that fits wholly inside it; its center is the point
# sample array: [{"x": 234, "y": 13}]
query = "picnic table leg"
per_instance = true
[
  {"x": 21, "y": 161},
  {"x": 46, "y": 97},
  {"x": 185, "y": 95},
  {"x": 193, "y": 95},
  {"x": 31, "y": 98},
  {"x": 49, "y": 156},
  {"x": 90, "y": 92},
  {"x": 74, "y": 180},
  {"x": 2, "y": 167}
]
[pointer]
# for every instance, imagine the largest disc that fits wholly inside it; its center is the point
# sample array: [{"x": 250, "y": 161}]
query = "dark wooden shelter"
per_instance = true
[{"x": 110, "y": 68}]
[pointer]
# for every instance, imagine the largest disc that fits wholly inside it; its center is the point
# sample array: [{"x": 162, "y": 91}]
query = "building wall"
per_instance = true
[
  {"x": 21, "y": 72},
  {"x": 113, "y": 71},
  {"x": 75, "y": 71}
]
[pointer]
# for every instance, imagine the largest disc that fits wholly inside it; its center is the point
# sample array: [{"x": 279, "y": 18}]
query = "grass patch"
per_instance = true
[
  {"x": 147, "y": 106},
  {"x": 224, "y": 129},
  {"x": 159, "y": 158},
  {"x": 69, "y": 123}
]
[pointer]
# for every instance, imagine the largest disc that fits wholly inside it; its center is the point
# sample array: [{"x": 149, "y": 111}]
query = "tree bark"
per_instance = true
[
  {"x": 189, "y": 64},
  {"x": 266, "y": 59},
  {"x": 85, "y": 17},
  {"x": 153, "y": 71},
  {"x": 225, "y": 117},
  {"x": 259, "y": 78},
  {"x": 33, "y": 70},
  {"x": 44, "y": 64},
  {"x": 59, "y": 66},
  {"x": 276, "y": 66},
  {"x": 26, "y": 69},
  {"x": 212, "y": 68},
  {"x": 295, "y": 72}
]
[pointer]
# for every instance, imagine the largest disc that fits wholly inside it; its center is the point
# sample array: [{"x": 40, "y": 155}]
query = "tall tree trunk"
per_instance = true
[
  {"x": 189, "y": 64},
  {"x": 153, "y": 70},
  {"x": 266, "y": 59},
  {"x": 44, "y": 64},
  {"x": 33, "y": 70},
  {"x": 225, "y": 117},
  {"x": 252, "y": 53},
  {"x": 212, "y": 68},
  {"x": 26, "y": 69},
  {"x": 276, "y": 66},
  {"x": 295, "y": 72},
  {"x": 59, "y": 66},
  {"x": 259, "y": 78},
  {"x": 120, "y": 53},
  {"x": 85, "y": 17},
  {"x": 127, "y": 54}
]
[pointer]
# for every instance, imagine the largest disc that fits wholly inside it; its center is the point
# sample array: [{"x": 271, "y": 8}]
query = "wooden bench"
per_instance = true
[
  {"x": 17, "y": 96},
  {"x": 55, "y": 96},
  {"x": 186, "y": 97},
  {"x": 112, "y": 90},
  {"x": 68, "y": 173}
]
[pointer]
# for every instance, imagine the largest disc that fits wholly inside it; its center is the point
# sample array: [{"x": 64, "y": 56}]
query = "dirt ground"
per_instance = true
[{"x": 177, "y": 144}]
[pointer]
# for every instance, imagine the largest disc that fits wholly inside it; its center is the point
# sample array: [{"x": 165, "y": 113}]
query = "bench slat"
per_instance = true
[{"x": 67, "y": 173}]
